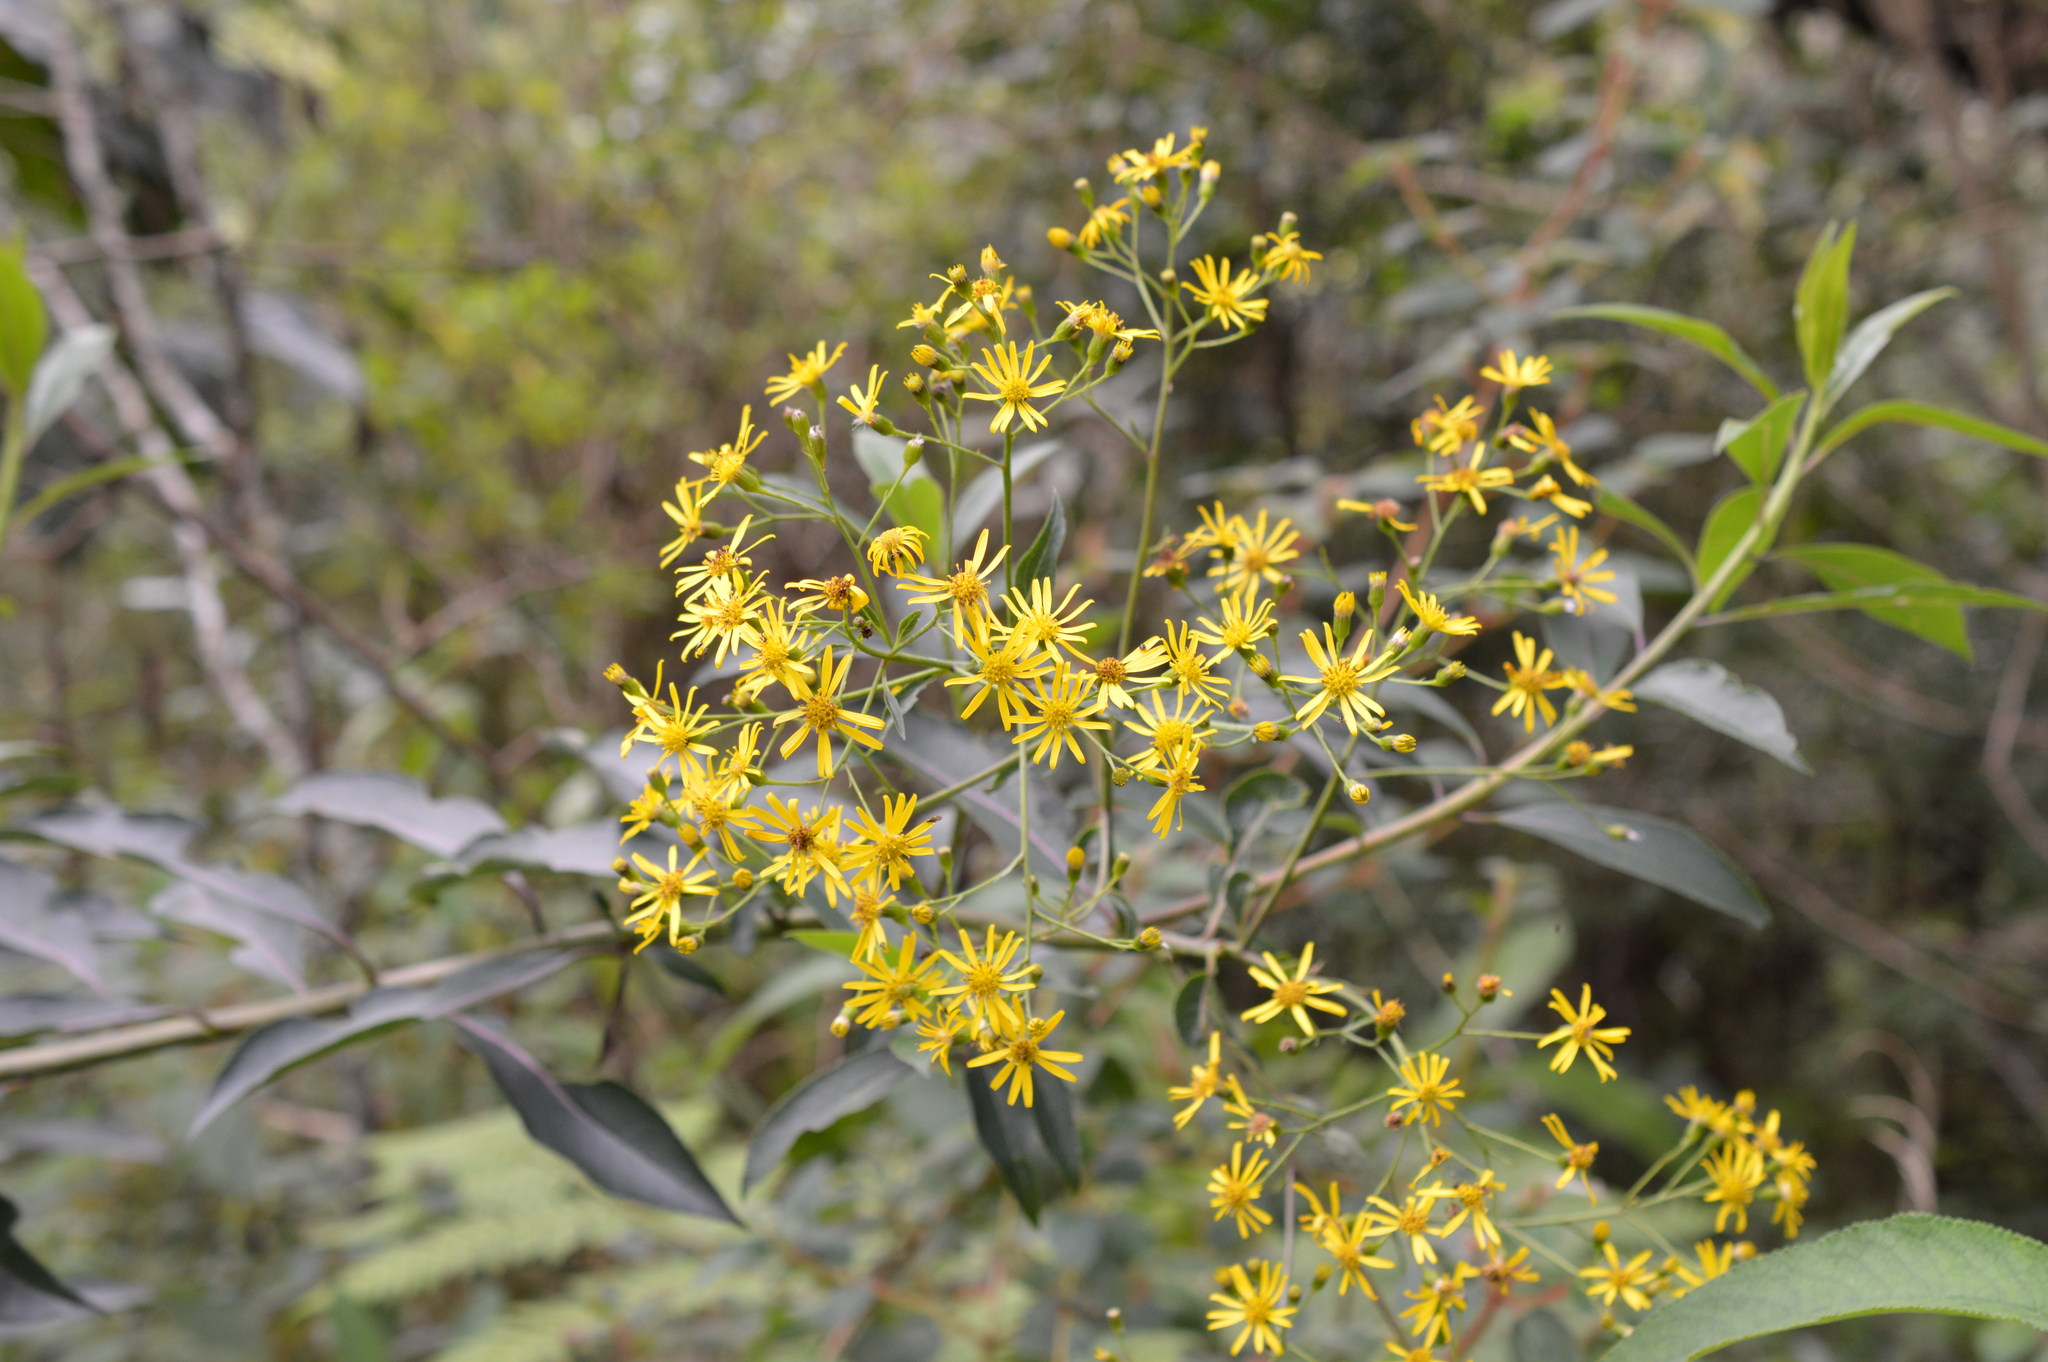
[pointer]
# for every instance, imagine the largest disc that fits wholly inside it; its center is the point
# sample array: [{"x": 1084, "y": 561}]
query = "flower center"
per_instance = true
[
  {"x": 1291, "y": 993},
  {"x": 1111, "y": 671},
  {"x": 673, "y": 884},
  {"x": 1015, "y": 391},
  {"x": 1340, "y": 679}
]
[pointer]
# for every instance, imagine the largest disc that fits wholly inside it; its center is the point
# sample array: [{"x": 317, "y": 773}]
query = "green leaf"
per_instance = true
[
  {"x": 1691, "y": 330},
  {"x": 358, "y": 1332},
  {"x": 1726, "y": 524},
  {"x": 1708, "y": 693},
  {"x": 1820, "y": 309},
  {"x": 910, "y": 496},
  {"x": 60, "y": 376},
  {"x": 1758, "y": 444},
  {"x": 981, "y": 498},
  {"x": 1042, "y": 559},
  {"x": 1927, "y": 414},
  {"x": 1651, "y": 849},
  {"x": 1006, "y": 1133},
  {"x": 1052, "y": 1111},
  {"x": 1540, "y": 1336},
  {"x": 1905, "y": 593},
  {"x": 1915, "y": 1264},
  {"x": 24, "y": 326},
  {"x": 32, "y": 1293},
  {"x": 400, "y": 805},
  {"x": 832, "y": 943},
  {"x": 1192, "y": 1016},
  {"x": 1871, "y": 336},
  {"x": 83, "y": 481},
  {"x": 816, "y": 1103},
  {"x": 1845, "y": 567},
  {"x": 1622, "y": 508},
  {"x": 1256, "y": 791}
]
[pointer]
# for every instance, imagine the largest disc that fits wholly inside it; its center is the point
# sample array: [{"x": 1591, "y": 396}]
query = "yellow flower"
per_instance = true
[
  {"x": 1736, "y": 1169},
  {"x": 1575, "y": 580},
  {"x": 1169, "y": 733},
  {"x": 1246, "y": 620},
  {"x": 1042, "y": 625},
  {"x": 986, "y": 979},
  {"x": 1345, "y": 1242},
  {"x": 1515, "y": 374},
  {"x": 896, "y": 550},
  {"x": 1546, "y": 488},
  {"x": 937, "y": 1035},
  {"x": 1258, "y": 552},
  {"x": 677, "y": 727},
  {"x": 1431, "y": 615},
  {"x": 1577, "y": 1159},
  {"x": 1180, "y": 780},
  {"x": 808, "y": 372},
  {"x": 820, "y": 715},
  {"x": 661, "y": 903},
  {"x": 1470, "y": 480},
  {"x": 1528, "y": 677},
  {"x": 1113, "y": 674},
  {"x": 1427, "y": 1090},
  {"x": 687, "y": 511},
  {"x": 724, "y": 613},
  {"x": 869, "y": 908},
  {"x": 1001, "y": 671},
  {"x": 1445, "y": 429},
  {"x": 1386, "y": 512},
  {"x": 646, "y": 808},
  {"x": 1229, "y": 300},
  {"x": 1015, "y": 383},
  {"x": 1430, "y": 1316},
  {"x": 1471, "y": 1198},
  {"x": 1234, "y": 1190},
  {"x": 742, "y": 764},
  {"x": 1714, "y": 1262},
  {"x": 827, "y": 593},
  {"x": 1341, "y": 681},
  {"x": 862, "y": 404},
  {"x": 1187, "y": 667},
  {"x": 810, "y": 841},
  {"x": 1582, "y": 1031},
  {"x": 1061, "y": 710},
  {"x": 1102, "y": 323},
  {"x": 893, "y": 992},
  {"x": 705, "y": 803},
  {"x": 1135, "y": 167},
  {"x": 1259, "y": 1310},
  {"x": 922, "y": 317},
  {"x": 966, "y": 590},
  {"x": 778, "y": 656},
  {"x": 888, "y": 845},
  {"x": 1410, "y": 1222},
  {"x": 1019, "y": 1049},
  {"x": 1285, "y": 258},
  {"x": 1203, "y": 1084},
  {"x": 1221, "y": 532},
  {"x": 1544, "y": 440},
  {"x": 1698, "y": 1109},
  {"x": 1104, "y": 220},
  {"x": 1503, "y": 1273},
  {"x": 1293, "y": 995},
  {"x": 728, "y": 461},
  {"x": 1255, "y": 1124},
  {"x": 1625, "y": 1280}
]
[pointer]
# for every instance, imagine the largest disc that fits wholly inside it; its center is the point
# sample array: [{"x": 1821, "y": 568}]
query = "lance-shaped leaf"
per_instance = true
[
  {"x": 268, "y": 947},
  {"x": 1655, "y": 850},
  {"x": 60, "y": 376},
  {"x": 1862, "y": 597},
  {"x": 1007, "y": 1133},
  {"x": 820, "y": 1100},
  {"x": 30, "y": 1014},
  {"x": 1758, "y": 445},
  {"x": 1871, "y": 336},
  {"x": 24, "y": 326},
  {"x": 942, "y": 753},
  {"x": 1691, "y": 330},
  {"x": 1927, "y": 414},
  {"x": 1820, "y": 308},
  {"x": 619, "y": 1141},
  {"x": 31, "y": 924},
  {"x": 1847, "y": 567},
  {"x": 1917, "y": 1264},
  {"x": 984, "y": 496},
  {"x": 1194, "y": 1012},
  {"x": 1726, "y": 524},
  {"x": 1052, "y": 1111},
  {"x": 29, "y": 1292},
  {"x": 581, "y": 849},
  {"x": 398, "y": 804},
  {"x": 271, "y": 1051},
  {"x": 1042, "y": 559},
  {"x": 1621, "y": 508},
  {"x": 1708, "y": 693}
]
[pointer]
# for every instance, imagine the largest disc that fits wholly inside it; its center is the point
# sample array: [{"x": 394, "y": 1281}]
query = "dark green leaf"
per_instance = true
[
  {"x": 30, "y": 1292},
  {"x": 1006, "y": 1133},
  {"x": 398, "y": 804},
  {"x": 1709, "y": 693},
  {"x": 1621, "y": 508},
  {"x": 1927, "y": 414},
  {"x": 1846, "y": 567},
  {"x": 1758, "y": 445},
  {"x": 1052, "y": 1111},
  {"x": 619, "y": 1142},
  {"x": 1871, "y": 336},
  {"x": 1540, "y": 1336},
  {"x": 1691, "y": 330},
  {"x": 1820, "y": 309},
  {"x": 832, "y": 943},
  {"x": 823, "y": 1098},
  {"x": 24, "y": 326},
  {"x": 1042, "y": 559},
  {"x": 1918, "y": 1264},
  {"x": 688, "y": 969},
  {"x": 1191, "y": 1012},
  {"x": 1726, "y": 524},
  {"x": 1651, "y": 849},
  {"x": 60, "y": 376}
]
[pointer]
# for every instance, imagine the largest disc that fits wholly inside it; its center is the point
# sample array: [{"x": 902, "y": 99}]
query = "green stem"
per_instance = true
[{"x": 12, "y": 454}]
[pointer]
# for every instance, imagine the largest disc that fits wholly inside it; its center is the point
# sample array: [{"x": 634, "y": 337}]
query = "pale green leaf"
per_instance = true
[
  {"x": 1758, "y": 444},
  {"x": 1847, "y": 567},
  {"x": 1726, "y": 524},
  {"x": 1820, "y": 309},
  {"x": 1871, "y": 336},
  {"x": 24, "y": 326},
  {"x": 1692, "y": 330},
  {"x": 1622, "y": 508},
  {"x": 1927, "y": 414}
]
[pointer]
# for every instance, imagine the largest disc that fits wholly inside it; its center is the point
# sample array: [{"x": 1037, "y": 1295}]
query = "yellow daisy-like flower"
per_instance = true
[
  {"x": 661, "y": 900},
  {"x": 938, "y": 1034},
  {"x": 778, "y": 656},
  {"x": 1105, "y": 220},
  {"x": 1228, "y": 299},
  {"x": 1002, "y": 666},
  {"x": 1259, "y": 551},
  {"x": 820, "y": 715},
  {"x": 1341, "y": 681},
  {"x": 887, "y": 845},
  {"x": 861, "y": 405},
  {"x": 1430, "y": 1317},
  {"x": 986, "y": 979},
  {"x": 1188, "y": 669},
  {"x": 1113, "y": 674},
  {"x": 1136, "y": 167},
  {"x": 1471, "y": 1198},
  {"x": 1059, "y": 713},
  {"x": 1388, "y": 513},
  {"x": 1293, "y": 995},
  {"x": 1736, "y": 1169},
  {"x": 742, "y": 764},
  {"x": 1255, "y": 1124},
  {"x": 1286, "y": 258},
  {"x": 869, "y": 908},
  {"x": 678, "y": 727},
  {"x": 843, "y": 594},
  {"x": 1715, "y": 1260},
  {"x": 1234, "y": 1190},
  {"x": 808, "y": 372},
  {"x": 1544, "y": 440},
  {"x": 810, "y": 841},
  {"x": 1576, "y": 580},
  {"x": 1471, "y": 479},
  {"x": 1577, "y": 1159},
  {"x": 1547, "y": 488},
  {"x": 1616, "y": 1278},
  {"x": 1408, "y": 1222},
  {"x": 896, "y": 550},
  {"x": 1020, "y": 1049},
  {"x": 1502, "y": 1273},
  {"x": 1105, "y": 325},
  {"x": 725, "y": 614},
  {"x": 966, "y": 590},
  {"x": 687, "y": 511},
  {"x": 1428, "y": 1091},
  {"x": 1180, "y": 779},
  {"x": 1204, "y": 1082},
  {"x": 1015, "y": 384},
  {"x": 1529, "y": 675},
  {"x": 1043, "y": 626},
  {"x": 1344, "y": 1241},
  {"x": 894, "y": 991},
  {"x": 1169, "y": 733},
  {"x": 1246, "y": 620},
  {"x": 1516, "y": 374},
  {"x": 1444, "y": 430},
  {"x": 646, "y": 808},
  {"x": 1582, "y": 1031},
  {"x": 1258, "y": 1312},
  {"x": 728, "y": 461},
  {"x": 1430, "y": 614},
  {"x": 705, "y": 803}
]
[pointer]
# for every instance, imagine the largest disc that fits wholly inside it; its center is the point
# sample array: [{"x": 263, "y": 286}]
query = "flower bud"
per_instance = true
[
  {"x": 1358, "y": 792},
  {"x": 1261, "y": 665},
  {"x": 913, "y": 448},
  {"x": 914, "y": 384},
  {"x": 1076, "y": 860},
  {"x": 1119, "y": 867},
  {"x": 798, "y": 421},
  {"x": 1345, "y": 606},
  {"x": 1151, "y": 939},
  {"x": 1450, "y": 982},
  {"x": 1152, "y": 197},
  {"x": 1323, "y": 1275},
  {"x": 1266, "y": 731},
  {"x": 1120, "y": 776},
  {"x": 991, "y": 263},
  {"x": 621, "y": 867},
  {"x": 1167, "y": 276},
  {"x": 925, "y": 355},
  {"x": 1212, "y": 171},
  {"x": 1059, "y": 238},
  {"x": 1085, "y": 190},
  {"x": 1294, "y": 1293},
  {"x": 690, "y": 836},
  {"x": 922, "y": 914},
  {"x": 841, "y": 1024},
  {"x": 743, "y": 879},
  {"x": 1601, "y": 1231},
  {"x": 1121, "y": 355},
  {"x": 1376, "y": 592},
  {"x": 687, "y": 945},
  {"x": 957, "y": 276},
  {"x": 1453, "y": 670},
  {"x": 1489, "y": 988},
  {"x": 1288, "y": 222}
]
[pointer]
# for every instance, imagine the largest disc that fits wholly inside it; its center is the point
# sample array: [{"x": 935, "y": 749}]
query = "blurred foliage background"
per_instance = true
[{"x": 465, "y": 280}]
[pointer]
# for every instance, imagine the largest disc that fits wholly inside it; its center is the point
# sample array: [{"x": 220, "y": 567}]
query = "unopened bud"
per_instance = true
[
  {"x": 687, "y": 945},
  {"x": 1450, "y": 982},
  {"x": 1489, "y": 987},
  {"x": 1266, "y": 731},
  {"x": 913, "y": 384},
  {"x": 1744, "y": 1251},
  {"x": 1151, "y": 939},
  {"x": 957, "y": 275},
  {"x": 922, "y": 914},
  {"x": 1085, "y": 190},
  {"x": 1376, "y": 592},
  {"x": 620, "y": 866},
  {"x": 1152, "y": 197},
  {"x": 1345, "y": 606},
  {"x": 925, "y": 355},
  {"x": 841, "y": 1024},
  {"x": 690, "y": 836},
  {"x": 1113, "y": 1315},
  {"x": 1294, "y": 1294},
  {"x": 1261, "y": 665},
  {"x": 1167, "y": 276},
  {"x": 1059, "y": 238},
  {"x": 1121, "y": 355},
  {"x": 1211, "y": 172},
  {"x": 615, "y": 674},
  {"x": 1451, "y": 671},
  {"x": 743, "y": 879},
  {"x": 1358, "y": 792},
  {"x": 1323, "y": 1275},
  {"x": 1076, "y": 859},
  {"x": 1119, "y": 776},
  {"x": 798, "y": 421},
  {"x": 1119, "y": 867},
  {"x": 913, "y": 448},
  {"x": 1404, "y": 743},
  {"x": 1601, "y": 1231},
  {"x": 991, "y": 263}
]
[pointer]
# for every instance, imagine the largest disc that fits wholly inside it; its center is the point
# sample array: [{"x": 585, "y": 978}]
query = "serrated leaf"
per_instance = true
[
  {"x": 1758, "y": 445},
  {"x": 1928, "y": 414},
  {"x": 1726, "y": 524},
  {"x": 1869, "y": 339},
  {"x": 1622, "y": 508},
  {"x": 1052, "y": 1111},
  {"x": 1654, "y": 850},
  {"x": 1192, "y": 1015},
  {"x": 31, "y": 924},
  {"x": 1847, "y": 567},
  {"x": 820, "y": 1100},
  {"x": 1820, "y": 308},
  {"x": 1042, "y": 559},
  {"x": 400, "y": 805},
  {"x": 983, "y": 497},
  {"x": 616, "y": 1139},
  {"x": 1691, "y": 330},
  {"x": 1708, "y": 693},
  {"x": 24, "y": 325},
  {"x": 60, "y": 376},
  {"x": 31, "y": 1292},
  {"x": 1917, "y": 1264},
  {"x": 1006, "y": 1132}
]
